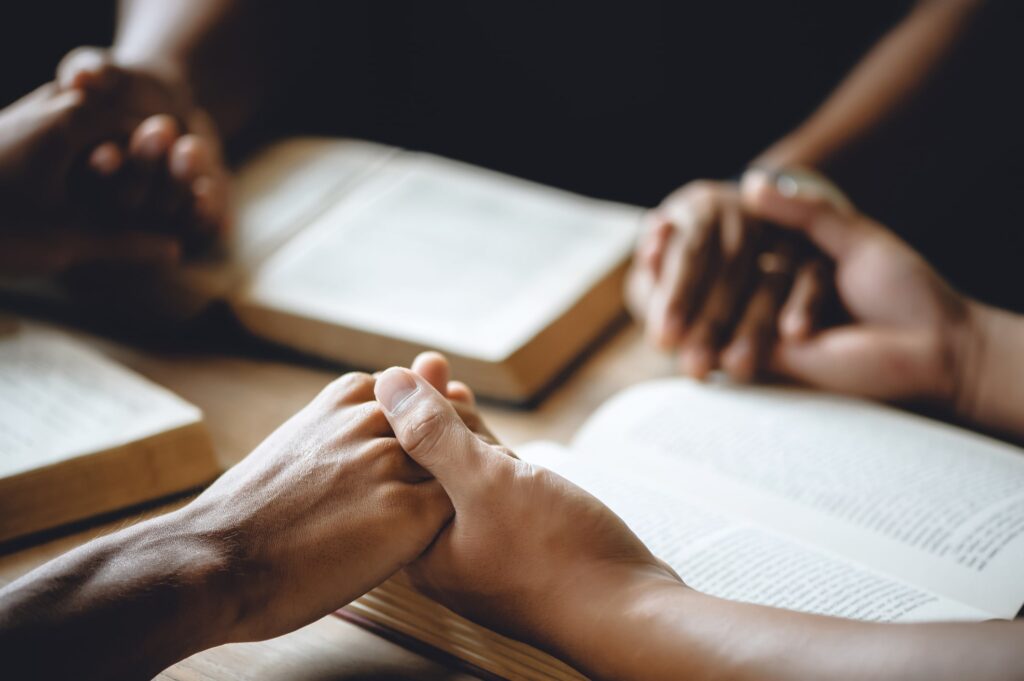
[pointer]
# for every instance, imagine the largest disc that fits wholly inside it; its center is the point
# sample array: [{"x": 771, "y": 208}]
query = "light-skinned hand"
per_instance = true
[
  {"x": 527, "y": 552},
  {"x": 908, "y": 330}
]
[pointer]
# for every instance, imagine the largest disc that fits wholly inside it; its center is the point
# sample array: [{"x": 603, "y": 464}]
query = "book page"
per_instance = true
[
  {"x": 288, "y": 184},
  {"x": 276, "y": 194},
  {"x": 448, "y": 256},
  {"x": 932, "y": 504},
  {"x": 60, "y": 399},
  {"x": 728, "y": 556}
]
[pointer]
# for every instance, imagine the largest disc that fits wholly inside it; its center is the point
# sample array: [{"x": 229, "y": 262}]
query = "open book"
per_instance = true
[
  {"x": 777, "y": 496},
  {"x": 81, "y": 435},
  {"x": 366, "y": 254}
]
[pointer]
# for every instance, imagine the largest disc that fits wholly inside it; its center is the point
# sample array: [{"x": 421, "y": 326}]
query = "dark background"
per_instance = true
[{"x": 629, "y": 100}]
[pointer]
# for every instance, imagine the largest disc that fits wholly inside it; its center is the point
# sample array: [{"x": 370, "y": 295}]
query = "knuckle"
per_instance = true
[
  {"x": 349, "y": 387},
  {"x": 702, "y": 189},
  {"x": 395, "y": 497},
  {"x": 425, "y": 432},
  {"x": 496, "y": 481},
  {"x": 505, "y": 451},
  {"x": 524, "y": 471},
  {"x": 421, "y": 506},
  {"x": 431, "y": 501},
  {"x": 370, "y": 417},
  {"x": 384, "y": 456}
]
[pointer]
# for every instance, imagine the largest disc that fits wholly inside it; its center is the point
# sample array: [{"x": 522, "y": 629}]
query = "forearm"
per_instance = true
[
  {"x": 901, "y": 68},
  {"x": 673, "y": 632},
  {"x": 231, "y": 53},
  {"x": 122, "y": 606}
]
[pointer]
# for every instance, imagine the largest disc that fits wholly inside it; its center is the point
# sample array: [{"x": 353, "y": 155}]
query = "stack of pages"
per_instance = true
[{"x": 82, "y": 435}]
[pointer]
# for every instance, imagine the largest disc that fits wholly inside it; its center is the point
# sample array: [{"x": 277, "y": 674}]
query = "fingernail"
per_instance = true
[
  {"x": 755, "y": 179},
  {"x": 105, "y": 160},
  {"x": 394, "y": 387},
  {"x": 739, "y": 360},
  {"x": 794, "y": 326},
  {"x": 151, "y": 147},
  {"x": 180, "y": 165},
  {"x": 669, "y": 332},
  {"x": 740, "y": 351},
  {"x": 696, "y": 363}
]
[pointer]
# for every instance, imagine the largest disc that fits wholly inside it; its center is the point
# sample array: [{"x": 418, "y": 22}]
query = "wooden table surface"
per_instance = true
[{"x": 244, "y": 398}]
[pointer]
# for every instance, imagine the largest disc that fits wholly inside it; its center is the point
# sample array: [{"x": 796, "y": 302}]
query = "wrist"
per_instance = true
[
  {"x": 970, "y": 341},
  {"x": 991, "y": 392},
  {"x": 601, "y": 624}
]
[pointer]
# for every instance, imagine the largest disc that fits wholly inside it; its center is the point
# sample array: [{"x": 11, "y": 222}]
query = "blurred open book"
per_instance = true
[
  {"x": 367, "y": 254},
  {"x": 782, "y": 497}
]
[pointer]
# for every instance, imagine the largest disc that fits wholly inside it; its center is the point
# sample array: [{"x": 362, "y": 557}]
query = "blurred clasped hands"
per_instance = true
[
  {"x": 779, "y": 275},
  {"x": 108, "y": 163}
]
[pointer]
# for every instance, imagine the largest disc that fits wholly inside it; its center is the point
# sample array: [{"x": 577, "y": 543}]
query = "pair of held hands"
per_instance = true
[
  {"x": 739, "y": 278},
  {"x": 379, "y": 474},
  {"x": 108, "y": 163}
]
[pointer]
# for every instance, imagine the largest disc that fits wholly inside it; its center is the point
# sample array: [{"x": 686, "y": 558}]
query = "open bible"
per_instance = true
[
  {"x": 777, "y": 496},
  {"x": 367, "y": 254},
  {"x": 82, "y": 435}
]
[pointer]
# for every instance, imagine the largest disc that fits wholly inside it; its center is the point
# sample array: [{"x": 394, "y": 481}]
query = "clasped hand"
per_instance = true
[
  {"x": 111, "y": 163},
  {"x": 398, "y": 471},
  {"x": 735, "y": 277}
]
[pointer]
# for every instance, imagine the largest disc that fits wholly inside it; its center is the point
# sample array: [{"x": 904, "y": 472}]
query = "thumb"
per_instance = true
[
  {"x": 429, "y": 429},
  {"x": 807, "y": 202}
]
